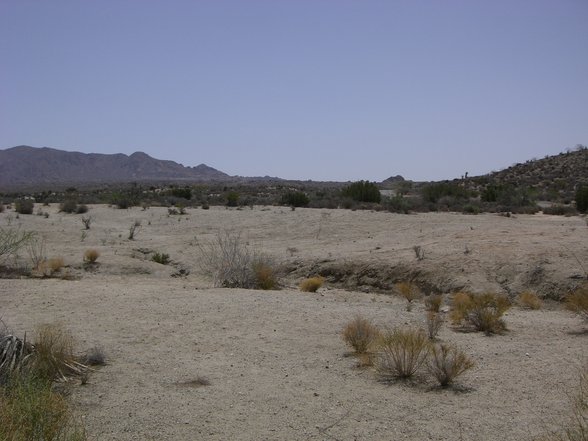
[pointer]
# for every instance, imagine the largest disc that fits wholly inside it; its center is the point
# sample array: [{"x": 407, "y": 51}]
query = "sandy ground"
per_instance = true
[{"x": 275, "y": 362}]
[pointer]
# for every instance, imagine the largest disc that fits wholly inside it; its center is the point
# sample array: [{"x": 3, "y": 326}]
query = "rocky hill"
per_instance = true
[{"x": 28, "y": 167}]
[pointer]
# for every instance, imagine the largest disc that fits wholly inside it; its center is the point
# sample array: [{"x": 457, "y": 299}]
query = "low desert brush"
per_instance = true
[
  {"x": 265, "y": 276},
  {"x": 91, "y": 255},
  {"x": 434, "y": 323},
  {"x": 401, "y": 352},
  {"x": 447, "y": 363},
  {"x": 433, "y": 302},
  {"x": 409, "y": 291},
  {"x": 482, "y": 312},
  {"x": 360, "y": 334},
  {"x": 161, "y": 258},
  {"x": 577, "y": 301},
  {"x": 530, "y": 300},
  {"x": 312, "y": 284}
]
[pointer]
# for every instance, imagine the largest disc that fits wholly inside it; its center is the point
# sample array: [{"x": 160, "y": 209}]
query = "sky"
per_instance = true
[{"x": 301, "y": 89}]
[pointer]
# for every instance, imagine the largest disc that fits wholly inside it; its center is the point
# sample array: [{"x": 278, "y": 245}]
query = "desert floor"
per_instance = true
[{"x": 275, "y": 362}]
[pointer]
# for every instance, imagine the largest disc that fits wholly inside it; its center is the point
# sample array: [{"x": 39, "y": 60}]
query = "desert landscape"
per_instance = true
[{"x": 187, "y": 360}]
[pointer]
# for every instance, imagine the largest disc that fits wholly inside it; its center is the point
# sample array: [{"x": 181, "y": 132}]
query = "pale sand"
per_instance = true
[{"x": 277, "y": 366}]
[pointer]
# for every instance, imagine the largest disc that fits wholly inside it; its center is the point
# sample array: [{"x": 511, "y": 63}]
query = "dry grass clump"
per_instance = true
[
  {"x": 409, "y": 291},
  {"x": 91, "y": 255},
  {"x": 49, "y": 267},
  {"x": 530, "y": 300},
  {"x": 312, "y": 284},
  {"x": 433, "y": 302},
  {"x": 577, "y": 301},
  {"x": 482, "y": 312},
  {"x": 265, "y": 276},
  {"x": 401, "y": 352},
  {"x": 447, "y": 363},
  {"x": 434, "y": 323},
  {"x": 360, "y": 334}
]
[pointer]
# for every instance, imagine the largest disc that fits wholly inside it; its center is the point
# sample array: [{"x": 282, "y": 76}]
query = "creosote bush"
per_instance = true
[
  {"x": 530, "y": 300},
  {"x": 401, "y": 352},
  {"x": 312, "y": 284},
  {"x": 24, "y": 206},
  {"x": 360, "y": 334},
  {"x": 447, "y": 363},
  {"x": 91, "y": 255}
]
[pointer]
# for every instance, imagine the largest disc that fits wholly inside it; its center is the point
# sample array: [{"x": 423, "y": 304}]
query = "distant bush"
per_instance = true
[
  {"x": 69, "y": 206},
  {"x": 360, "y": 334},
  {"x": 482, "y": 312},
  {"x": 295, "y": 199},
  {"x": 161, "y": 258},
  {"x": 434, "y": 191},
  {"x": 232, "y": 199},
  {"x": 24, "y": 206},
  {"x": 582, "y": 199},
  {"x": 362, "y": 191},
  {"x": 1, "y": 207},
  {"x": 312, "y": 284},
  {"x": 401, "y": 352},
  {"x": 91, "y": 255},
  {"x": 184, "y": 193},
  {"x": 560, "y": 210},
  {"x": 528, "y": 299},
  {"x": 447, "y": 363}
]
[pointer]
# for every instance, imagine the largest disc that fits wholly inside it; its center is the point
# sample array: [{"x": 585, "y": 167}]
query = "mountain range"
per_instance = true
[{"x": 27, "y": 167}]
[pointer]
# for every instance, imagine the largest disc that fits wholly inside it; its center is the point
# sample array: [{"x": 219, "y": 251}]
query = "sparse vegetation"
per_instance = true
[
  {"x": 24, "y": 206},
  {"x": 582, "y": 199},
  {"x": 401, "y": 352},
  {"x": 134, "y": 229},
  {"x": 481, "y": 312},
  {"x": 12, "y": 240},
  {"x": 409, "y": 291},
  {"x": 577, "y": 301},
  {"x": 434, "y": 323},
  {"x": 362, "y": 191},
  {"x": 91, "y": 255},
  {"x": 311, "y": 284},
  {"x": 265, "y": 276},
  {"x": 161, "y": 258},
  {"x": 447, "y": 363},
  {"x": 433, "y": 302},
  {"x": 295, "y": 199},
  {"x": 530, "y": 300},
  {"x": 87, "y": 221},
  {"x": 360, "y": 334}
]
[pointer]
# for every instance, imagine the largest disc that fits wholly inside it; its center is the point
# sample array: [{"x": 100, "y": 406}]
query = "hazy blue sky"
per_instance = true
[{"x": 301, "y": 89}]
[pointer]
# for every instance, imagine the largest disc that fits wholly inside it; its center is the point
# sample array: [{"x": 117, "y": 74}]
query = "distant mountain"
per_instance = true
[{"x": 26, "y": 167}]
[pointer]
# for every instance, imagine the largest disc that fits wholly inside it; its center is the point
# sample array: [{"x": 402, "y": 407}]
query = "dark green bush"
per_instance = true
[
  {"x": 232, "y": 199},
  {"x": 161, "y": 258},
  {"x": 295, "y": 199},
  {"x": 582, "y": 199},
  {"x": 362, "y": 191},
  {"x": 185, "y": 193},
  {"x": 24, "y": 206},
  {"x": 435, "y": 191}
]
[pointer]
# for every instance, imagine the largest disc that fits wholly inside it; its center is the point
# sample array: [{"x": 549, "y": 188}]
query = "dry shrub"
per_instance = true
[
  {"x": 447, "y": 363},
  {"x": 460, "y": 305},
  {"x": 30, "y": 410},
  {"x": 360, "y": 334},
  {"x": 401, "y": 352},
  {"x": 409, "y": 291},
  {"x": 578, "y": 301},
  {"x": 482, "y": 312},
  {"x": 530, "y": 300},
  {"x": 49, "y": 267},
  {"x": 312, "y": 284},
  {"x": 12, "y": 240},
  {"x": 95, "y": 357},
  {"x": 91, "y": 255},
  {"x": 53, "y": 357},
  {"x": 265, "y": 276},
  {"x": 434, "y": 323},
  {"x": 433, "y": 302}
]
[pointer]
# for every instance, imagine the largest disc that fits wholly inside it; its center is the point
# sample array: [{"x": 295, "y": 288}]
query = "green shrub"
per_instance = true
[
  {"x": 232, "y": 199},
  {"x": 295, "y": 199},
  {"x": 582, "y": 199},
  {"x": 24, "y": 206},
  {"x": 362, "y": 191},
  {"x": 184, "y": 193},
  {"x": 435, "y": 191},
  {"x": 161, "y": 258}
]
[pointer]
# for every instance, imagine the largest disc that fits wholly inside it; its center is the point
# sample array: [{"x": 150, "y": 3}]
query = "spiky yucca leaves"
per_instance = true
[
  {"x": 401, "y": 352},
  {"x": 447, "y": 363},
  {"x": 360, "y": 334}
]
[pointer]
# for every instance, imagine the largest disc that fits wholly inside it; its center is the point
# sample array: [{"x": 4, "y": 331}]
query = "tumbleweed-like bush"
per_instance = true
[
  {"x": 360, "y": 334},
  {"x": 401, "y": 352},
  {"x": 91, "y": 255},
  {"x": 530, "y": 300},
  {"x": 447, "y": 363},
  {"x": 312, "y": 284}
]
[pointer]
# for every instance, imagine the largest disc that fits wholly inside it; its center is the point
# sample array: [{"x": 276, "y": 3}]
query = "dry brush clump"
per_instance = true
[
  {"x": 529, "y": 300},
  {"x": 577, "y": 301},
  {"x": 311, "y": 284},
  {"x": 409, "y": 291},
  {"x": 447, "y": 363},
  {"x": 91, "y": 255},
  {"x": 231, "y": 263},
  {"x": 480, "y": 312},
  {"x": 434, "y": 321},
  {"x": 401, "y": 352},
  {"x": 361, "y": 334},
  {"x": 433, "y": 302}
]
